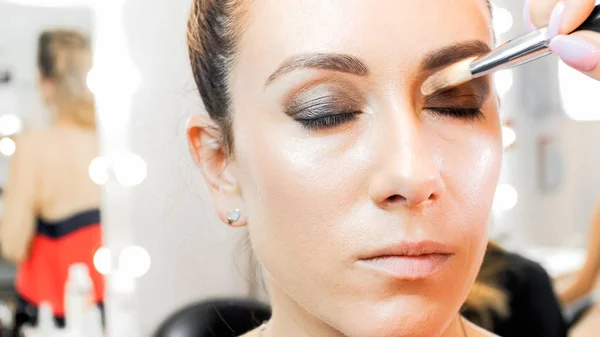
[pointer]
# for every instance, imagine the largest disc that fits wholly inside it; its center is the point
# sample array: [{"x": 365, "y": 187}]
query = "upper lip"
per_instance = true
[{"x": 411, "y": 249}]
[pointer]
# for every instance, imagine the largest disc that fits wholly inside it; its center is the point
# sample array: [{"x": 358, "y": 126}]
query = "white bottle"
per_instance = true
[
  {"x": 78, "y": 299},
  {"x": 45, "y": 326},
  {"x": 93, "y": 323}
]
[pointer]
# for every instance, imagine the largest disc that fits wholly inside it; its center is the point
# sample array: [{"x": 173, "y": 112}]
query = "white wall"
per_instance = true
[
  {"x": 560, "y": 217},
  {"x": 584, "y": 144},
  {"x": 193, "y": 255}
]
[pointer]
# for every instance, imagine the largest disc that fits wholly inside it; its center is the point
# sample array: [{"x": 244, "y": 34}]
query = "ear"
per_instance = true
[{"x": 212, "y": 158}]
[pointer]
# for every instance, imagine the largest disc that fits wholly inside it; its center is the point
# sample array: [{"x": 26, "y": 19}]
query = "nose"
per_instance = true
[{"x": 406, "y": 173}]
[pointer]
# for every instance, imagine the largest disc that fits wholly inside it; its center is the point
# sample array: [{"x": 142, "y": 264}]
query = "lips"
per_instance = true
[{"x": 410, "y": 261}]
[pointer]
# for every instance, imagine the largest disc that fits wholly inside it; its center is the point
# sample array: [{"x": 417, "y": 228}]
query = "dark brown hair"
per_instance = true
[
  {"x": 64, "y": 57},
  {"x": 214, "y": 27}
]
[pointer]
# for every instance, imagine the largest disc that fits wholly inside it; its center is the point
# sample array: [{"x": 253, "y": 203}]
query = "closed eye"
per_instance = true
[
  {"x": 460, "y": 113},
  {"x": 327, "y": 122}
]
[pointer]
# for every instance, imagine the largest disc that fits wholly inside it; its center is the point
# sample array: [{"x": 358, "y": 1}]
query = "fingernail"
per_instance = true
[
  {"x": 576, "y": 52},
  {"x": 556, "y": 19},
  {"x": 527, "y": 17}
]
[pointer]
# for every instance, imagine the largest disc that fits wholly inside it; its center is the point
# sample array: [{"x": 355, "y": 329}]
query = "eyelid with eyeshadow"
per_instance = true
[
  {"x": 322, "y": 106},
  {"x": 470, "y": 95},
  {"x": 322, "y": 99}
]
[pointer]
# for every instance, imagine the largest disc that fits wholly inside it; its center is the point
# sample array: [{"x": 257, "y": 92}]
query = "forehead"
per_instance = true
[{"x": 384, "y": 33}]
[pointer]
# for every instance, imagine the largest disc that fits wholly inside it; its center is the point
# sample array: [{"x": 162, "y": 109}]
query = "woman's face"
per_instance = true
[{"x": 367, "y": 203}]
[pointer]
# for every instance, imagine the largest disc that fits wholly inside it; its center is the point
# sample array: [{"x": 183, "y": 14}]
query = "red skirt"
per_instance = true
[{"x": 56, "y": 246}]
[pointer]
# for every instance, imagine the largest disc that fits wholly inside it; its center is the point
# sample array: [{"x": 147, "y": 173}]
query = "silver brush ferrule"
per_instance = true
[{"x": 521, "y": 50}]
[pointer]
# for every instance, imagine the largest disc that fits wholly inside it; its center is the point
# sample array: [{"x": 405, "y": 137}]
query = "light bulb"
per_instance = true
[
  {"x": 130, "y": 169},
  {"x": 92, "y": 81},
  {"x": 9, "y": 125},
  {"x": 503, "y": 81},
  {"x": 99, "y": 170},
  {"x": 506, "y": 198},
  {"x": 503, "y": 20},
  {"x": 7, "y": 147},
  {"x": 509, "y": 136},
  {"x": 101, "y": 82},
  {"x": 134, "y": 261},
  {"x": 102, "y": 260}
]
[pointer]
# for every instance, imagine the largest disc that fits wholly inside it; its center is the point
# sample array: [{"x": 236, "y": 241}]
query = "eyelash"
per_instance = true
[
  {"x": 328, "y": 122},
  {"x": 334, "y": 120},
  {"x": 468, "y": 114}
]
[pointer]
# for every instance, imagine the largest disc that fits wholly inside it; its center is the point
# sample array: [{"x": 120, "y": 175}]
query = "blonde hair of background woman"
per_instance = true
[{"x": 64, "y": 60}]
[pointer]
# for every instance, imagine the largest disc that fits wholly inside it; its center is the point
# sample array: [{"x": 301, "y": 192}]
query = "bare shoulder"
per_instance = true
[
  {"x": 56, "y": 136},
  {"x": 33, "y": 138},
  {"x": 475, "y": 331},
  {"x": 26, "y": 143},
  {"x": 28, "y": 136}
]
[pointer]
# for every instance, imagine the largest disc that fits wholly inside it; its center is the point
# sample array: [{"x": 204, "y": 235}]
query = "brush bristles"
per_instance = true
[{"x": 449, "y": 77}]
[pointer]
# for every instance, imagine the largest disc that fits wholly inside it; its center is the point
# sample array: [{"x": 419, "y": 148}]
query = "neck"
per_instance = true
[
  {"x": 457, "y": 328},
  {"x": 61, "y": 119},
  {"x": 291, "y": 320}
]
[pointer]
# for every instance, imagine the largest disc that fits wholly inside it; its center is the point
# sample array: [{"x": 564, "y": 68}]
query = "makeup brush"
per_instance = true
[{"x": 521, "y": 50}]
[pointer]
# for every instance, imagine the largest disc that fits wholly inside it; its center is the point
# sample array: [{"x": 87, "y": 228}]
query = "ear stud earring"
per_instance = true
[{"x": 233, "y": 216}]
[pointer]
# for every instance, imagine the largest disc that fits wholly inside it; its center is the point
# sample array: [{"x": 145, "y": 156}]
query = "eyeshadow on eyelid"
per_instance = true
[
  {"x": 322, "y": 95},
  {"x": 470, "y": 95}
]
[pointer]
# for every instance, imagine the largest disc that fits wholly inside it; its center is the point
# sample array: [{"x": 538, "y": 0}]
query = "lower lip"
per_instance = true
[{"x": 409, "y": 267}]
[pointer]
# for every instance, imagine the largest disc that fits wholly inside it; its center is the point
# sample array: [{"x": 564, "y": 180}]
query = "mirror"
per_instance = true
[{"x": 50, "y": 214}]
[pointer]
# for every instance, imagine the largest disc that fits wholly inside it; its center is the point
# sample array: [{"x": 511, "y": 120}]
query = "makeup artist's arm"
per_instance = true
[
  {"x": 586, "y": 279},
  {"x": 581, "y": 50}
]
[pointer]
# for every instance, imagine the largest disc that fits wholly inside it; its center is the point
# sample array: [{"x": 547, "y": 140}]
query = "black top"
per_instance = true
[
  {"x": 534, "y": 308},
  {"x": 60, "y": 228}
]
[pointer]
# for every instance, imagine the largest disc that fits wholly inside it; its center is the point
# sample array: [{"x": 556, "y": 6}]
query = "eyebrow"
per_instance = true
[
  {"x": 454, "y": 53},
  {"x": 324, "y": 61},
  {"x": 355, "y": 66}
]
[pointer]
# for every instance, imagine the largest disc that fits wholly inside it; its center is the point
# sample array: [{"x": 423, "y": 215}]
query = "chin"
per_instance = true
[{"x": 405, "y": 317}]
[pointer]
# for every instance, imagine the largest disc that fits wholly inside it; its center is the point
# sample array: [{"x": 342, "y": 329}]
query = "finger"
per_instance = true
[
  {"x": 560, "y": 16},
  {"x": 540, "y": 11},
  {"x": 529, "y": 25},
  {"x": 580, "y": 50},
  {"x": 575, "y": 13}
]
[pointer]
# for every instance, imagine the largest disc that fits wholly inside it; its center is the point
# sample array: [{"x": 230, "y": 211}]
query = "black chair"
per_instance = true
[{"x": 216, "y": 318}]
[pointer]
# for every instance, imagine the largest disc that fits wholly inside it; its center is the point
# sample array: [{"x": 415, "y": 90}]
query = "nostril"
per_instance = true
[{"x": 396, "y": 198}]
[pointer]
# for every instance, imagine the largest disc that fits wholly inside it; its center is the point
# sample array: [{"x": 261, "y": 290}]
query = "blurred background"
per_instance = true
[{"x": 160, "y": 233}]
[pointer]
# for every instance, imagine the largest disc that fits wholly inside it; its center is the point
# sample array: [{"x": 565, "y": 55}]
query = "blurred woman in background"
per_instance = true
[{"x": 51, "y": 216}]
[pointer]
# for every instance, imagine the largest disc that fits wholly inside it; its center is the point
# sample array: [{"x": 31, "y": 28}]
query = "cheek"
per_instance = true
[
  {"x": 299, "y": 189},
  {"x": 470, "y": 167},
  {"x": 471, "y": 173}
]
